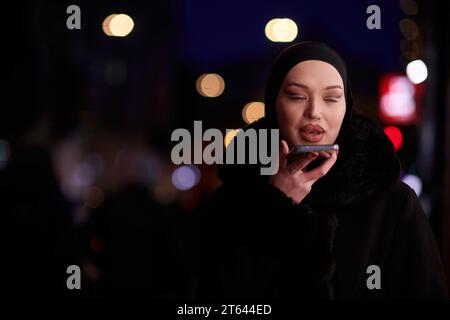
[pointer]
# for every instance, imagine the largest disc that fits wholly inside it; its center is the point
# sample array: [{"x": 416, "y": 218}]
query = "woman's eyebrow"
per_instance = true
[
  {"x": 297, "y": 85},
  {"x": 301, "y": 85},
  {"x": 333, "y": 87}
]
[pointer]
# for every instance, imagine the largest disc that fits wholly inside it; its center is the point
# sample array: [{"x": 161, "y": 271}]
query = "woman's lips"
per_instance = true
[
  {"x": 312, "y": 137},
  {"x": 312, "y": 133}
]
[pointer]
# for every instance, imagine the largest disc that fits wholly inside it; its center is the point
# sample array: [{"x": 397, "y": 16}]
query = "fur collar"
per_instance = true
[{"x": 367, "y": 162}]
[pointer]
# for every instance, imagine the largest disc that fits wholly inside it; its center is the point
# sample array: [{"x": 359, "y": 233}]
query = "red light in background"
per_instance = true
[
  {"x": 398, "y": 99},
  {"x": 395, "y": 135}
]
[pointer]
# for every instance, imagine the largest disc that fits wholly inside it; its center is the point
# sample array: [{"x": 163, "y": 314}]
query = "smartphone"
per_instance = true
[{"x": 303, "y": 150}]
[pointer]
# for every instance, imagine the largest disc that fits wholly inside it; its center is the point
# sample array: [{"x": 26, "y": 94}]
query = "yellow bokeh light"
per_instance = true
[
  {"x": 106, "y": 23},
  {"x": 118, "y": 25},
  {"x": 253, "y": 111},
  {"x": 285, "y": 30},
  {"x": 269, "y": 29},
  {"x": 210, "y": 85},
  {"x": 198, "y": 84},
  {"x": 281, "y": 30},
  {"x": 230, "y": 135}
]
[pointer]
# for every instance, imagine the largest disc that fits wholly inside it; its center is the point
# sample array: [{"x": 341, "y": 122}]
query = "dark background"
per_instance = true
[{"x": 86, "y": 119}]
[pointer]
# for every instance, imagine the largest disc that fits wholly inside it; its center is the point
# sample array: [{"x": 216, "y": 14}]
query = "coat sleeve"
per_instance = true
[{"x": 416, "y": 267}]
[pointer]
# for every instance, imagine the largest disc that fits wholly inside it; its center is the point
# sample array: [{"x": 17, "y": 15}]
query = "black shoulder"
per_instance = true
[
  {"x": 398, "y": 192},
  {"x": 415, "y": 266},
  {"x": 402, "y": 190}
]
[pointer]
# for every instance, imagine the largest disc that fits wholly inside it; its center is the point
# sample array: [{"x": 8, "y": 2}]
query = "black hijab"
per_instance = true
[
  {"x": 291, "y": 56},
  {"x": 366, "y": 161}
]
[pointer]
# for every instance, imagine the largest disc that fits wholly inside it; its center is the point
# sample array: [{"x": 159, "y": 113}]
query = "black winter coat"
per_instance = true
[{"x": 252, "y": 242}]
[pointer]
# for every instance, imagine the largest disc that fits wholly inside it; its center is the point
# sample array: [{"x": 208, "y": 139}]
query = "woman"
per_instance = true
[{"x": 343, "y": 228}]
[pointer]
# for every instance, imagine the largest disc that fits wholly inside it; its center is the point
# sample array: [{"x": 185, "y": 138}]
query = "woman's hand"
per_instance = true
[{"x": 293, "y": 180}]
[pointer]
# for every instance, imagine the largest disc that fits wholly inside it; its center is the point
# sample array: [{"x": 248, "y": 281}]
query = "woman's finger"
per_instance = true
[
  {"x": 321, "y": 170},
  {"x": 325, "y": 154},
  {"x": 302, "y": 161},
  {"x": 284, "y": 151}
]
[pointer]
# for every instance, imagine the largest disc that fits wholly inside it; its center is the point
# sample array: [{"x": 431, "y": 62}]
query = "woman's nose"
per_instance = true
[{"x": 312, "y": 111}]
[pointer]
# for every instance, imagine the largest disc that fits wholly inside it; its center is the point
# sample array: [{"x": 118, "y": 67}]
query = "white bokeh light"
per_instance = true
[
  {"x": 281, "y": 30},
  {"x": 416, "y": 71},
  {"x": 399, "y": 101},
  {"x": 118, "y": 25},
  {"x": 414, "y": 182}
]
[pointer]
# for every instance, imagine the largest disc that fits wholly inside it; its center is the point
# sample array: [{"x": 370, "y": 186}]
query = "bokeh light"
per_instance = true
[
  {"x": 106, "y": 23},
  {"x": 253, "y": 111},
  {"x": 395, "y": 135},
  {"x": 118, "y": 25},
  {"x": 269, "y": 30},
  {"x": 414, "y": 182},
  {"x": 229, "y": 136},
  {"x": 281, "y": 30},
  {"x": 185, "y": 177},
  {"x": 397, "y": 98},
  {"x": 210, "y": 85},
  {"x": 416, "y": 71}
]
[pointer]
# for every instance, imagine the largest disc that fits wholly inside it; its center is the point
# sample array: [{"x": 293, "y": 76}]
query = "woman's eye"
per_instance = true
[
  {"x": 333, "y": 100},
  {"x": 297, "y": 97}
]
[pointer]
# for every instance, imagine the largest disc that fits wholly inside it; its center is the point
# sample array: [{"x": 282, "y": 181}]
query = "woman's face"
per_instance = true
[{"x": 310, "y": 105}]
